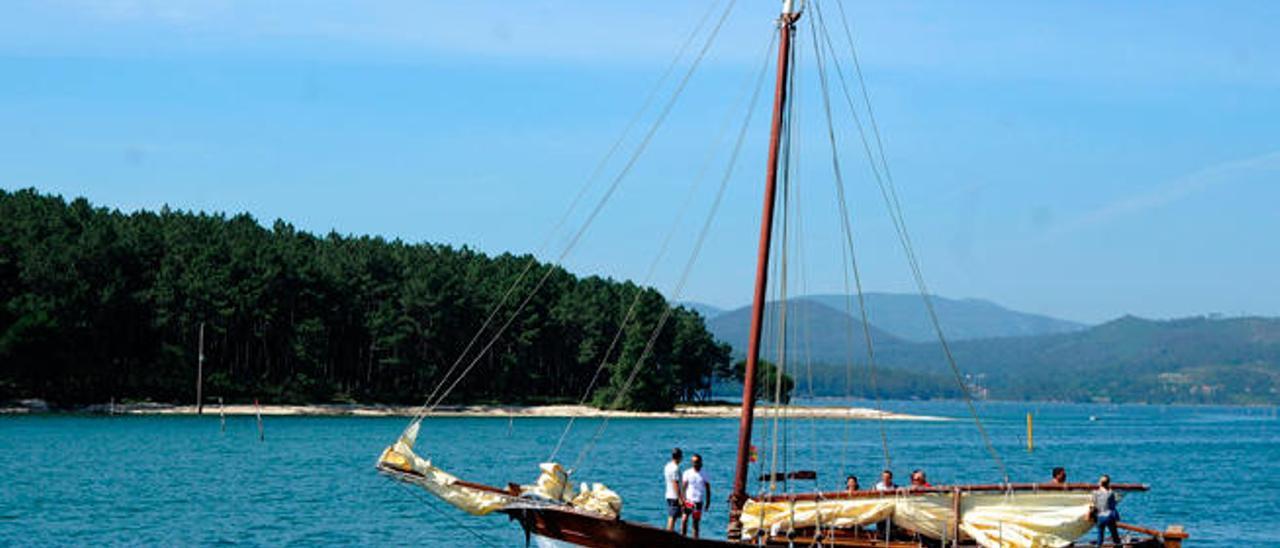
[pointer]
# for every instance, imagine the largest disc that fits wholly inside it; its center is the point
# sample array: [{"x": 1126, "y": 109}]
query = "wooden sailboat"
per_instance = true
[{"x": 1005, "y": 514}]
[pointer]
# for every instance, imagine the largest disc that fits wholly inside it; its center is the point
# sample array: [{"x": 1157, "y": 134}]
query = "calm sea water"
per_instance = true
[{"x": 79, "y": 480}]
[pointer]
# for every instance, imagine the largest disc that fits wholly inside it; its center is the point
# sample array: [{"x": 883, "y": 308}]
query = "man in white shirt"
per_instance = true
[
  {"x": 697, "y": 495},
  {"x": 886, "y": 482},
  {"x": 671, "y": 480}
]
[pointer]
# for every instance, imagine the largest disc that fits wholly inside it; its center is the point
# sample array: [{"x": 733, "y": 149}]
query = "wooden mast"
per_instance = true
[{"x": 786, "y": 27}]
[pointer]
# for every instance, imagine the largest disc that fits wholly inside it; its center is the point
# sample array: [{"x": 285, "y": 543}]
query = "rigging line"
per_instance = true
[
  {"x": 849, "y": 250},
  {"x": 697, "y": 248},
  {"x": 779, "y": 369},
  {"x": 896, "y": 213},
  {"x": 848, "y": 359},
  {"x": 888, "y": 191},
  {"x": 426, "y": 502},
  {"x": 866, "y": 96},
  {"x": 635, "y": 302},
  {"x": 804, "y": 332},
  {"x": 573, "y": 204},
  {"x": 626, "y": 169},
  {"x": 791, "y": 163}
]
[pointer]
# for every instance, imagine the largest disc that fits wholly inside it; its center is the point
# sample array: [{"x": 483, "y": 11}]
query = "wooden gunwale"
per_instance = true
[{"x": 948, "y": 489}]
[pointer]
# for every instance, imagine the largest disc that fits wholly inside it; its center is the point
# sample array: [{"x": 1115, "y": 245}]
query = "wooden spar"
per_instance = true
[
  {"x": 784, "y": 476},
  {"x": 1171, "y": 537},
  {"x": 739, "y": 495},
  {"x": 200, "y": 374},
  {"x": 975, "y": 488}
]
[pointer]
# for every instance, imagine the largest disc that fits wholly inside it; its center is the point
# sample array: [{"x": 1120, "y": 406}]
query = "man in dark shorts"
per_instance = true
[{"x": 671, "y": 481}]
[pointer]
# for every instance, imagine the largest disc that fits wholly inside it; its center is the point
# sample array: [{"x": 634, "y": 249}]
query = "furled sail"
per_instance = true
[
  {"x": 1014, "y": 520},
  {"x": 552, "y": 485}
]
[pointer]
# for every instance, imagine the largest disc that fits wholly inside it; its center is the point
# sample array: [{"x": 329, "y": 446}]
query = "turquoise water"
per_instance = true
[{"x": 77, "y": 480}]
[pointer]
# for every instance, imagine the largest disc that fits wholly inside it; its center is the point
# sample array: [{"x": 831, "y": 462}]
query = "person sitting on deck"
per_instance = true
[
  {"x": 697, "y": 495},
  {"x": 1059, "y": 476},
  {"x": 851, "y": 484},
  {"x": 918, "y": 481},
  {"x": 671, "y": 482},
  {"x": 1104, "y": 507},
  {"x": 886, "y": 482}
]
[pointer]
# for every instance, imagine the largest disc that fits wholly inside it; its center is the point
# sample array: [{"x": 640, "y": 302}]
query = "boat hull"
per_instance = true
[
  {"x": 548, "y": 526},
  {"x": 561, "y": 527},
  {"x": 557, "y": 527}
]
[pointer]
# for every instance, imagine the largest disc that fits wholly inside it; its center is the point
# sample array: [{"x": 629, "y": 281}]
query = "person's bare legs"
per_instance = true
[
  {"x": 696, "y": 522},
  {"x": 684, "y": 524}
]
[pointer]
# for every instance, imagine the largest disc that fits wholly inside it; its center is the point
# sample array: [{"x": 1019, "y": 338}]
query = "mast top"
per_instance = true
[{"x": 792, "y": 7}]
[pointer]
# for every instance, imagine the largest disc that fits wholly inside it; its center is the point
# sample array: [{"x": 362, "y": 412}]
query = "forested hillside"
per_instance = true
[
  {"x": 1193, "y": 360},
  {"x": 98, "y": 304},
  {"x": 1190, "y": 360}
]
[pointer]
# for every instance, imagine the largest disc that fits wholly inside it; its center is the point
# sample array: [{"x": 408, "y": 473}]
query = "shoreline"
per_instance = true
[{"x": 480, "y": 411}]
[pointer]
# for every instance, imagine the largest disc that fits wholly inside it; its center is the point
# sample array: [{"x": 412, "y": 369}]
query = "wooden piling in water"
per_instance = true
[
  {"x": 262, "y": 434},
  {"x": 222, "y": 415},
  {"x": 200, "y": 373},
  {"x": 1031, "y": 446}
]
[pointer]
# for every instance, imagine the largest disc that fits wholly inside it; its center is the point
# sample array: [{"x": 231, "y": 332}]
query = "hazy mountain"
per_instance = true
[
  {"x": 904, "y": 316},
  {"x": 819, "y": 332}
]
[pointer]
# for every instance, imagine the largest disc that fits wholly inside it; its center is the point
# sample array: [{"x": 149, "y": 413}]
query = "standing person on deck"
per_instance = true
[
  {"x": 1104, "y": 507},
  {"x": 671, "y": 481},
  {"x": 697, "y": 495}
]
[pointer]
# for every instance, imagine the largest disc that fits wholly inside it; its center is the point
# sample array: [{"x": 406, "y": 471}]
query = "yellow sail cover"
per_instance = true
[
  {"x": 552, "y": 484},
  {"x": 421, "y": 472},
  {"x": 1013, "y": 520}
]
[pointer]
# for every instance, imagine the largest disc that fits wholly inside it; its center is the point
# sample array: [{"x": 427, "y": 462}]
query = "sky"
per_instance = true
[{"x": 1084, "y": 160}]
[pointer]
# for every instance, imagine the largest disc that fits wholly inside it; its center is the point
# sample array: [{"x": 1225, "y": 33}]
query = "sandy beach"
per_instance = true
[{"x": 539, "y": 411}]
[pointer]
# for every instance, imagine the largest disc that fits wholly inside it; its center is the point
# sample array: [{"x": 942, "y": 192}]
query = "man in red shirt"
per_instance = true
[{"x": 918, "y": 480}]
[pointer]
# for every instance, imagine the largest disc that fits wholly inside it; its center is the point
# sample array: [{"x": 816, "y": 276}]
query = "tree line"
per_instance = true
[{"x": 98, "y": 304}]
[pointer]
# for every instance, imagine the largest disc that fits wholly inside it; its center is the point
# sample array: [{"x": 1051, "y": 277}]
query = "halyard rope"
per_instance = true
[
  {"x": 590, "y": 181},
  {"x": 626, "y": 169}
]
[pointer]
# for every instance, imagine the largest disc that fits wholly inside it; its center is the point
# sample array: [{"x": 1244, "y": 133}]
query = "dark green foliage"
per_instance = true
[
  {"x": 96, "y": 304},
  {"x": 766, "y": 380}
]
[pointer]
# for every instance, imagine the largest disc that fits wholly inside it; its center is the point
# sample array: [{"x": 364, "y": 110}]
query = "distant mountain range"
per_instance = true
[
  {"x": 1014, "y": 355},
  {"x": 903, "y": 316},
  {"x": 819, "y": 332}
]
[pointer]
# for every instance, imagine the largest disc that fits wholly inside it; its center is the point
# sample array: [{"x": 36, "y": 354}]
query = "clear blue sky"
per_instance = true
[{"x": 1081, "y": 159}]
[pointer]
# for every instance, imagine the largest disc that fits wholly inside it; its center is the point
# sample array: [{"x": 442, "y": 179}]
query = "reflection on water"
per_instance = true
[{"x": 178, "y": 480}]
